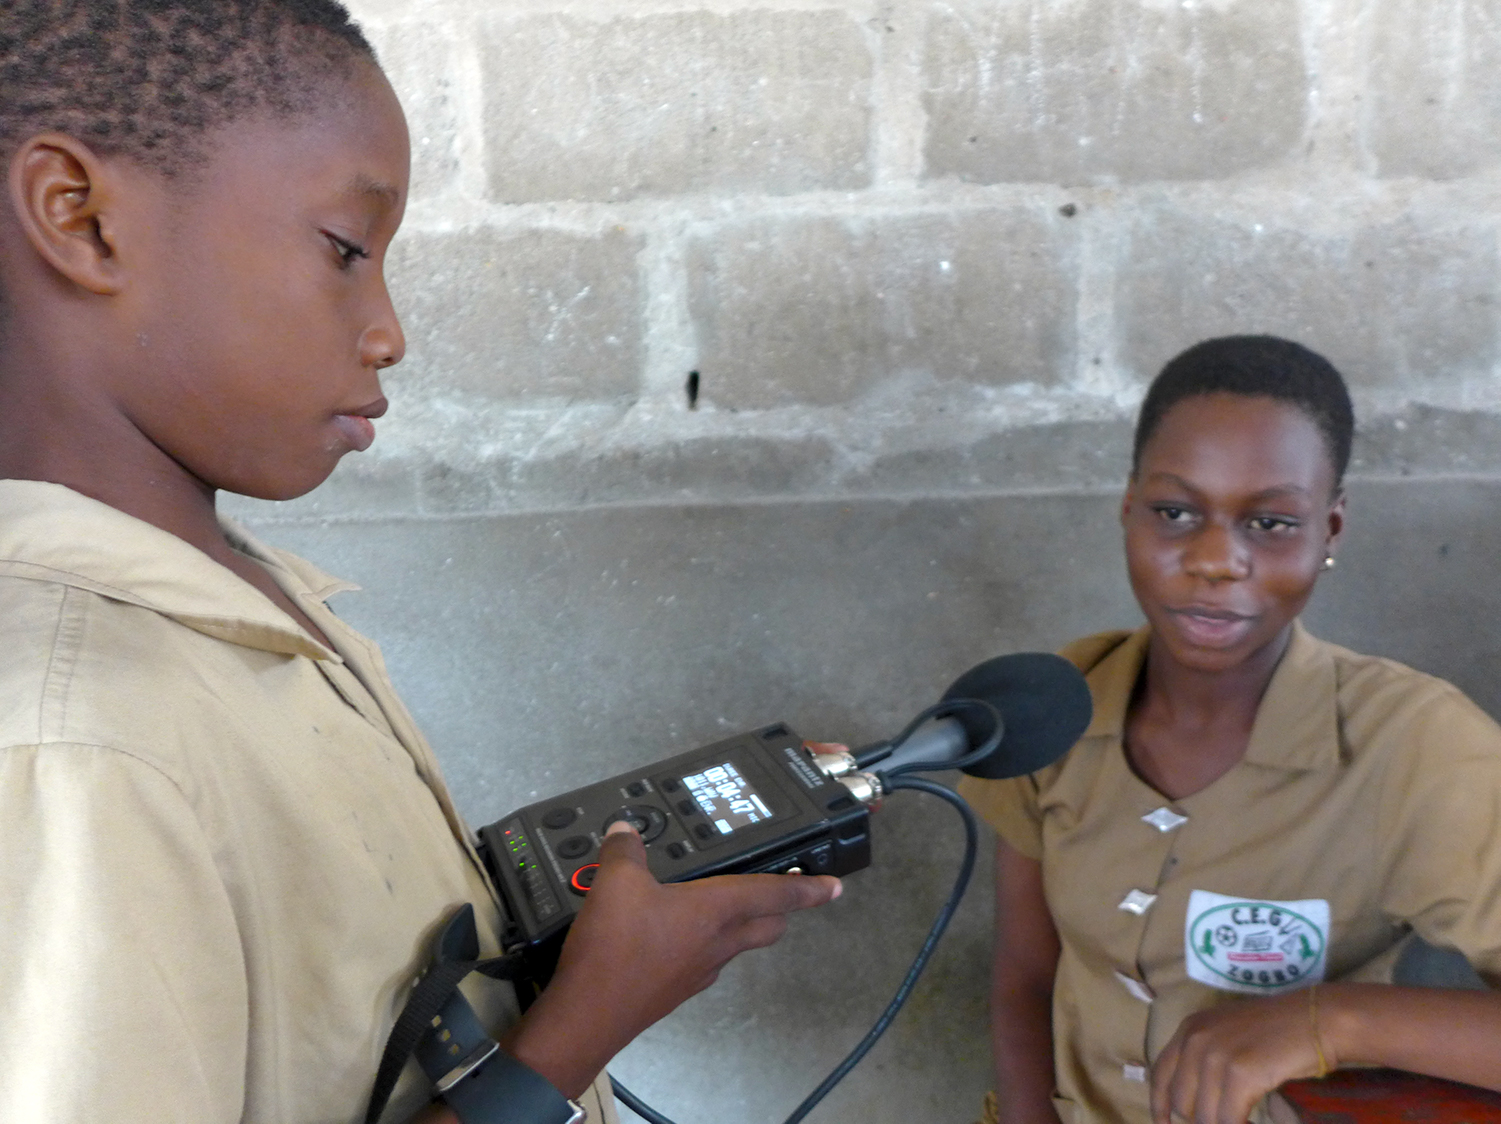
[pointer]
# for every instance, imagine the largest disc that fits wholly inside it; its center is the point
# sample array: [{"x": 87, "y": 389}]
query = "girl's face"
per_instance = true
[
  {"x": 258, "y": 310},
  {"x": 1227, "y": 523}
]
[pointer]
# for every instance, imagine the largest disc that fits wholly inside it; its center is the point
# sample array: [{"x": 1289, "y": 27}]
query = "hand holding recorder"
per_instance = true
[{"x": 638, "y": 949}]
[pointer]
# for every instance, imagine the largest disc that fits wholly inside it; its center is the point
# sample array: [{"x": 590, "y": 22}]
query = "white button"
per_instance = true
[
  {"x": 1137, "y": 902},
  {"x": 1165, "y": 820},
  {"x": 1137, "y": 1073},
  {"x": 1135, "y": 987}
]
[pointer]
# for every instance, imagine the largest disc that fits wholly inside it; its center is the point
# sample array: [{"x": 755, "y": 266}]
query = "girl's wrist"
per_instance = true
[{"x": 1344, "y": 1024}]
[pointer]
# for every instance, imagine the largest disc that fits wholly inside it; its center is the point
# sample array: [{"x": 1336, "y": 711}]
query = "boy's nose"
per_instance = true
[
  {"x": 383, "y": 344},
  {"x": 384, "y": 347}
]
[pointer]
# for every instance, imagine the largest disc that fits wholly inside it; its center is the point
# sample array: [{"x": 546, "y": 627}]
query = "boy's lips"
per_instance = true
[
  {"x": 356, "y": 425},
  {"x": 357, "y": 429}
]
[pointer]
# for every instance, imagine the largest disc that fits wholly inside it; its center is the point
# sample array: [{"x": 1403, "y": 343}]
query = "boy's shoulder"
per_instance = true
[{"x": 120, "y": 635}]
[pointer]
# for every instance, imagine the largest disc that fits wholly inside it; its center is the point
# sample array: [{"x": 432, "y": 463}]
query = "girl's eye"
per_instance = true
[
  {"x": 1273, "y": 523},
  {"x": 1170, "y": 514},
  {"x": 348, "y": 252}
]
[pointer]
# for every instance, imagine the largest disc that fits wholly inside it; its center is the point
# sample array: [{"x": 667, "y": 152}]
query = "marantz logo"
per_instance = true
[{"x": 805, "y": 772}]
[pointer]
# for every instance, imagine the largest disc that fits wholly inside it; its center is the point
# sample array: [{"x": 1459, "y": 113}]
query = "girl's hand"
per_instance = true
[{"x": 1222, "y": 1061}]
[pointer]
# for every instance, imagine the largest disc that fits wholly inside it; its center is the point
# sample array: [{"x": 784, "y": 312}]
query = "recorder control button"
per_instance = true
[
  {"x": 559, "y": 818},
  {"x": 676, "y": 850},
  {"x": 703, "y": 831},
  {"x": 636, "y": 788},
  {"x": 669, "y": 785},
  {"x": 574, "y": 847},
  {"x": 687, "y": 807},
  {"x": 821, "y": 857},
  {"x": 649, "y": 821},
  {"x": 583, "y": 878}
]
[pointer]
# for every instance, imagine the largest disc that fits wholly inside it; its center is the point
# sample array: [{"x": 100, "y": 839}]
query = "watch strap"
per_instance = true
[{"x": 474, "y": 1076}]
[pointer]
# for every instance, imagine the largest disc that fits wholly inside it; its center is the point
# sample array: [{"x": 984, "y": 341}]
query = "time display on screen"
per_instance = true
[{"x": 727, "y": 798}]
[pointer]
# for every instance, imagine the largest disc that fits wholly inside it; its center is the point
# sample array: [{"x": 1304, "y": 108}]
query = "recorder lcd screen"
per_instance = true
[{"x": 727, "y": 798}]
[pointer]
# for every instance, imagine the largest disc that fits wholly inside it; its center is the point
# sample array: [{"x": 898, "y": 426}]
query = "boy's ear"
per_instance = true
[{"x": 62, "y": 195}]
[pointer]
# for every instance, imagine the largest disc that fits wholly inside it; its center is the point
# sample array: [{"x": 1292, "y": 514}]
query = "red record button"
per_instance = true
[{"x": 583, "y": 878}]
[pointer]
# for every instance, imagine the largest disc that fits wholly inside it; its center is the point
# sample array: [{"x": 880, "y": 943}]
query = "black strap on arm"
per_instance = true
[{"x": 478, "y": 1080}]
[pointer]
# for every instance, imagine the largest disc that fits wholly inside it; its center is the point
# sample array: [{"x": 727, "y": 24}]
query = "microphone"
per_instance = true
[{"x": 1033, "y": 705}]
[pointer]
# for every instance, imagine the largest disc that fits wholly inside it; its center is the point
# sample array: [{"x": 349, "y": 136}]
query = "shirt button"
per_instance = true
[
  {"x": 1137, "y": 902},
  {"x": 1135, "y": 987},
  {"x": 1165, "y": 820},
  {"x": 1133, "y": 1072}
]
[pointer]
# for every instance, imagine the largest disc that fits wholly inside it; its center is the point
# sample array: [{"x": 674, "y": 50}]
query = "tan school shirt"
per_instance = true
[
  {"x": 224, "y": 848},
  {"x": 1368, "y": 804}
]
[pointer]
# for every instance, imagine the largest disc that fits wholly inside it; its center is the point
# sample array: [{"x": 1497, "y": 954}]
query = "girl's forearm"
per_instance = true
[{"x": 1441, "y": 1032}]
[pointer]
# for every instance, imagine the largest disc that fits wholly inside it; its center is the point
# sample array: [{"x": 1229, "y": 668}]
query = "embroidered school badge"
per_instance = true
[{"x": 1255, "y": 947}]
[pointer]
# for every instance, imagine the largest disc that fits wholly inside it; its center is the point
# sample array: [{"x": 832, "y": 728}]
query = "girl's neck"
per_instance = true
[
  {"x": 1194, "y": 698},
  {"x": 1186, "y": 727}
]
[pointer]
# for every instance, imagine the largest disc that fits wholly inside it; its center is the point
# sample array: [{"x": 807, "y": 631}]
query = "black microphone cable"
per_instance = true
[{"x": 940, "y": 924}]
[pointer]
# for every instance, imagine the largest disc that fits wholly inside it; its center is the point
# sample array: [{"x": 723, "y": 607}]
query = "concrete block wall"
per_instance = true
[{"x": 906, "y": 245}]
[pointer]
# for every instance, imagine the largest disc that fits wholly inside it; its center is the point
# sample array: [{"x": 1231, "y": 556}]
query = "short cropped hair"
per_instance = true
[
  {"x": 149, "y": 78},
  {"x": 1255, "y": 367}
]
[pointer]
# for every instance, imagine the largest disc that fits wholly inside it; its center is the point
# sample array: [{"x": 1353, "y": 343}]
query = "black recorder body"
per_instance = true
[{"x": 749, "y": 804}]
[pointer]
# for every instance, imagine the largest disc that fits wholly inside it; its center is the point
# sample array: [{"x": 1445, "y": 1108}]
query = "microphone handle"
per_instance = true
[{"x": 935, "y": 744}]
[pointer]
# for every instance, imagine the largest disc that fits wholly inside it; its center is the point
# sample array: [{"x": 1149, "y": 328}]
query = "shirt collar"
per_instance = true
[
  {"x": 51, "y": 533},
  {"x": 1297, "y": 723}
]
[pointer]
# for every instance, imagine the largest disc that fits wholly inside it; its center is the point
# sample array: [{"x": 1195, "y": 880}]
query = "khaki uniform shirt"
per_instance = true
[
  {"x": 1368, "y": 804},
  {"x": 224, "y": 848}
]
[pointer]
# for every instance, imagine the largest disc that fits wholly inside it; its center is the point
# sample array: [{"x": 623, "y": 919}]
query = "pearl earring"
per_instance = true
[{"x": 1328, "y": 562}]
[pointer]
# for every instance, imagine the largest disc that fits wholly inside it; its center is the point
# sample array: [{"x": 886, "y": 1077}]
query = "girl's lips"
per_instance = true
[
  {"x": 1211, "y": 629},
  {"x": 358, "y": 431}
]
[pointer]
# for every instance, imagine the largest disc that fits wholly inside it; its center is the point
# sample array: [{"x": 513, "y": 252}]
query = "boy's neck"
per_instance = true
[
  {"x": 55, "y": 430},
  {"x": 50, "y": 435}
]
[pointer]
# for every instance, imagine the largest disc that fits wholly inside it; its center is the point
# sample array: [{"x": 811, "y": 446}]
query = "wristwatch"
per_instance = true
[{"x": 481, "y": 1082}]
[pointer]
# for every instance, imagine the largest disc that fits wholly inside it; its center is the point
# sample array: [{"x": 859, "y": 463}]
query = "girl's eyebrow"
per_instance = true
[{"x": 1282, "y": 490}]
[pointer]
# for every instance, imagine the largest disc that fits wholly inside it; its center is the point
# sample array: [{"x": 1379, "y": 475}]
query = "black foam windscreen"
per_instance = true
[{"x": 1044, "y": 704}]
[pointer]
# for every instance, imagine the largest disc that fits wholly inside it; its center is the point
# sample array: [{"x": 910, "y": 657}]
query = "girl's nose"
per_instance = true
[{"x": 1216, "y": 555}]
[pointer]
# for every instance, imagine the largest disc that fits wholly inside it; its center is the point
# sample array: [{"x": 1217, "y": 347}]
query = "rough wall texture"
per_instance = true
[{"x": 905, "y": 245}]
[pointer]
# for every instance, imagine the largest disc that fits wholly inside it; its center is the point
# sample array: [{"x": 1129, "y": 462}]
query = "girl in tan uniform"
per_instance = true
[{"x": 1191, "y": 902}]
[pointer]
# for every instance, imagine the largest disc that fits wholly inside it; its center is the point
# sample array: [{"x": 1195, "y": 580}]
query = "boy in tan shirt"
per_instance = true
[{"x": 226, "y": 846}]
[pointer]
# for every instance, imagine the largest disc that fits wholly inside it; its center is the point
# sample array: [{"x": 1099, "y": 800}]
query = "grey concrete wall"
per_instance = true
[
  {"x": 913, "y": 246},
  {"x": 919, "y": 259}
]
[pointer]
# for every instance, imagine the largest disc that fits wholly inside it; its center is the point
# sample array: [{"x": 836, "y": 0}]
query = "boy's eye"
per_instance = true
[
  {"x": 1169, "y": 513},
  {"x": 347, "y": 250}
]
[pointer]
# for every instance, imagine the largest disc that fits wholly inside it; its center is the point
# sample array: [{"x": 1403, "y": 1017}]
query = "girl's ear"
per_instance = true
[
  {"x": 1336, "y": 522},
  {"x": 1127, "y": 499},
  {"x": 63, "y": 197}
]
